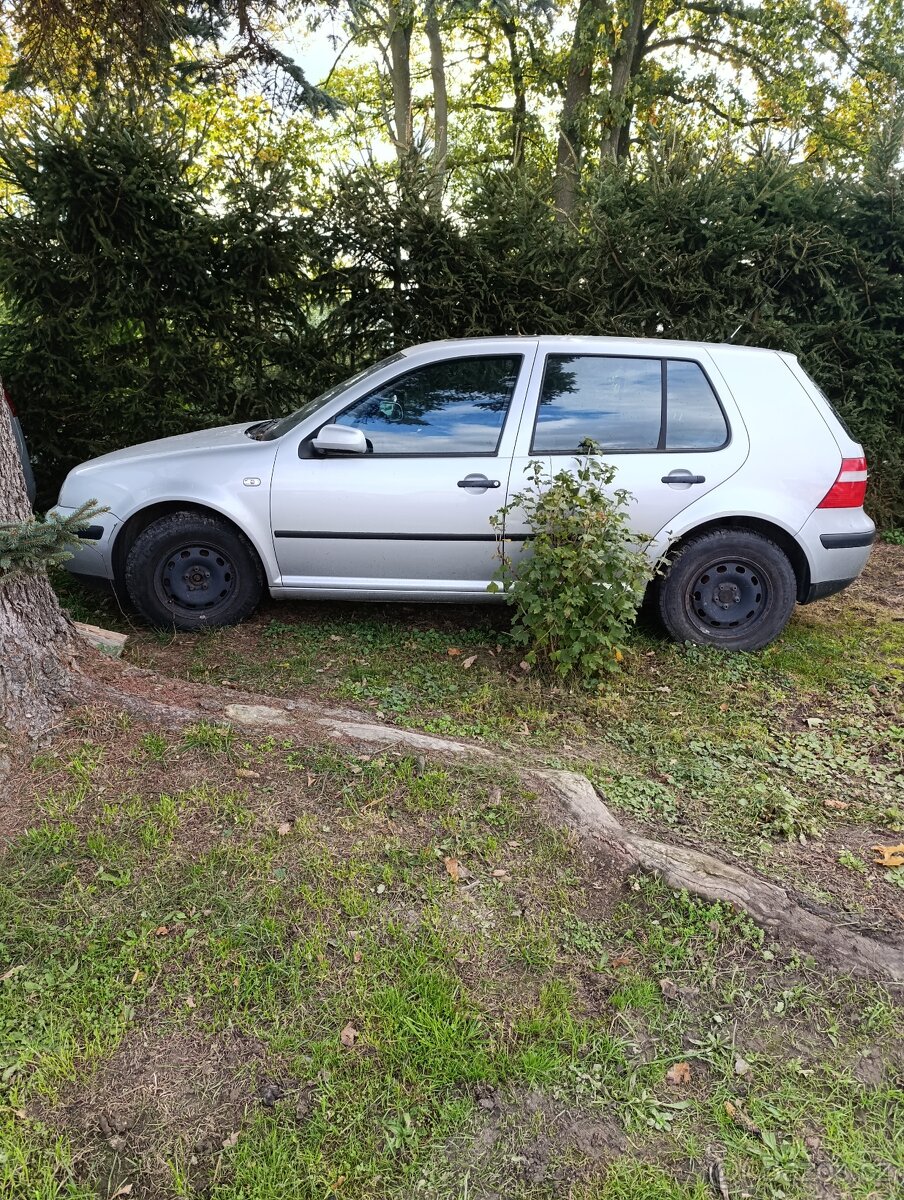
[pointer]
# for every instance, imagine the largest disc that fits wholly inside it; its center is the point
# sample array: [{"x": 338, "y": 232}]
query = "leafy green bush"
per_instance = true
[{"x": 576, "y": 595}]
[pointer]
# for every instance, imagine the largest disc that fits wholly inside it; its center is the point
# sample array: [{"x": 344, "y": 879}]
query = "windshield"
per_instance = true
[{"x": 281, "y": 425}]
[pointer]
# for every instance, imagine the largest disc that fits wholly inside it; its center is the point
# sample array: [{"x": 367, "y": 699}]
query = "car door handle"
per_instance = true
[
  {"x": 478, "y": 481},
  {"x": 683, "y": 477}
]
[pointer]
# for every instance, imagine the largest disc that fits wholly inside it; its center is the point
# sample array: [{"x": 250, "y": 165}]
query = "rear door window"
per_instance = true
[{"x": 627, "y": 404}]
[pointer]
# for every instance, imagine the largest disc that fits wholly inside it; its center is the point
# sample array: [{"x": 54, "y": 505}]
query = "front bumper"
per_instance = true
[{"x": 93, "y": 553}]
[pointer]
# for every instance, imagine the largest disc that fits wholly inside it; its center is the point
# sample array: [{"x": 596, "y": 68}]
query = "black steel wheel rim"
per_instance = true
[
  {"x": 728, "y": 596},
  {"x": 196, "y": 578}
]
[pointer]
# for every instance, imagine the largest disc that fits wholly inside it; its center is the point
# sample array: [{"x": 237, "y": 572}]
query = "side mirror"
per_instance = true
[{"x": 340, "y": 439}]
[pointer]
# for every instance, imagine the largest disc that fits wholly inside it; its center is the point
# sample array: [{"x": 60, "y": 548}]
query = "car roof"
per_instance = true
[{"x": 588, "y": 341}]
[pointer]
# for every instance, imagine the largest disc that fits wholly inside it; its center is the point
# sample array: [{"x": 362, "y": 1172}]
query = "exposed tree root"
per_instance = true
[
  {"x": 684, "y": 868},
  {"x": 681, "y": 867}
]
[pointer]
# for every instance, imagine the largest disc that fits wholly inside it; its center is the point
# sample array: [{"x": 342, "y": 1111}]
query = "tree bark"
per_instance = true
[
  {"x": 519, "y": 108},
  {"x": 440, "y": 106},
  {"x": 625, "y": 65},
  {"x": 37, "y": 640},
  {"x": 398, "y": 24},
  {"x": 584, "y": 45}
]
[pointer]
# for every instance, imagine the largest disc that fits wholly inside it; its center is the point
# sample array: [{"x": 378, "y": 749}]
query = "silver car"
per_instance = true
[{"x": 383, "y": 487}]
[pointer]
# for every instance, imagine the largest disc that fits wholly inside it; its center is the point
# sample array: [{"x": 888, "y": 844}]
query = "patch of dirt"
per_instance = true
[
  {"x": 534, "y": 1138},
  {"x": 162, "y": 1098}
]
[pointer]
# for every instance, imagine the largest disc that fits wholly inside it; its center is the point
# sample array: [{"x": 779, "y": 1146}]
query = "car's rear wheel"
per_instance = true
[
  {"x": 189, "y": 570},
  {"x": 731, "y": 588}
]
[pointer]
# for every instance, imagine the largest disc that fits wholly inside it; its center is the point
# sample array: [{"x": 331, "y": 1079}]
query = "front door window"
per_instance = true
[{"x": 455, "y": 407}]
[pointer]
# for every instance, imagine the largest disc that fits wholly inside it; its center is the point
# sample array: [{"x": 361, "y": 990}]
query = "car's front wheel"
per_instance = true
[
  {"x": 189, "y": 570},
  {"x": 731, "y": 588}
]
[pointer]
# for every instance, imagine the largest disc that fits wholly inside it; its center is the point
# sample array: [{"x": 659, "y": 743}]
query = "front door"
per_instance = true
[{"x": 413, "y": 514}]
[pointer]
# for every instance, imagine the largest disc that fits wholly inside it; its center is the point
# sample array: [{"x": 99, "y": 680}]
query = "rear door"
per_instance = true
[
  {"x": 413, "y": 514},
  {"x": 658, "y": 420}
]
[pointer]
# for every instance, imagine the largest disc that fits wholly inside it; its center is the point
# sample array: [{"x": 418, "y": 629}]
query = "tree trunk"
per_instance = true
[
  {"x": 398, "y": 25},
  {"x": 584, "y": 45},
  {"x": 440, "y": 106},
  {"x": 37, "y": 641},
  {"x": 625, "y": 64},
  {"x": 519, "y": 109}
]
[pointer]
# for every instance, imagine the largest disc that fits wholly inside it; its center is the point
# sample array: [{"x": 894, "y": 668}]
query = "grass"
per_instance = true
[
  {"x": 790, "y": 758},
  {"x": 243, "y": 969},
  {"x": 237, "y": 968}
]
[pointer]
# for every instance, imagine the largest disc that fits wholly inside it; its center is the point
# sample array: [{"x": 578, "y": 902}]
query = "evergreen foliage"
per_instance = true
[
  {"x": 139, "y": 302},
  {"x": 30, "y": 546}
]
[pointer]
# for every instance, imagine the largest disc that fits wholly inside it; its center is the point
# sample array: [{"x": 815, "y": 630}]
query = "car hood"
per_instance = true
[{"x": 200, "y": 442}]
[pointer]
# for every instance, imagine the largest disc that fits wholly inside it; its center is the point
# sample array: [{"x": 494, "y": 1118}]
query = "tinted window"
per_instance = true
[
  {"x": 694, "y": 419},
  {"x": 615, "y": 402},
  {"x": 452, "y": 407},
  {"x": 276, "y": 428}
]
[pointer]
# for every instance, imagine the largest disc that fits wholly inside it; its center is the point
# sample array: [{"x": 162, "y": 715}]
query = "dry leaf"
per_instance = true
[
  {"x": 125, "y": 1190},
  {"x": 357, "y": 956},
  {"x": 189, "y": 1002},
  {"x": 453, "y": 651},
  {"x": 741, "y": 1118},
  {"x": 467, "y": 663},
  {"x": 621, "y": 961},
  {"x": 839, "y": 804},
  {"x": 524, "y": 665},
  {"x": 12, "y": 970},
  {"x": 451, "y": 865},
  {"x": 137, "y": 975},
  {"x": 230, "y": 1140},
  {"x": 499, "y": 873},
  {"x": 246, "y": 774},
  {"x": 311, "y": 779},
  {"x": 161, "y": 930},
  {"x": 284, "y": 828},
  {"x": 679, "y": 1074},
  {"x": 669, "y": 989},
  {"x": 349, "y": 1035},
  {"x": 890, "y": 856},
  {"x": 619, "y": 657}
]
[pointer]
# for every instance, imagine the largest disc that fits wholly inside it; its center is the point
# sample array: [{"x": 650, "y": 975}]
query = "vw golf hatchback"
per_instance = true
[{"x": 383, "y": 487}]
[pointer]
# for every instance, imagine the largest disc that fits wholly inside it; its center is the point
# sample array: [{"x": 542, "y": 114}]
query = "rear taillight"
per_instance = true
[{"x": 849, "y": 489}]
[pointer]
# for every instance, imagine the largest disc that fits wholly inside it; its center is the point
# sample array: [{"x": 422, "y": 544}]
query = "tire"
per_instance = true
[
  {"x": 731, "y": 588},
  {"x": 189, "y": 570}
]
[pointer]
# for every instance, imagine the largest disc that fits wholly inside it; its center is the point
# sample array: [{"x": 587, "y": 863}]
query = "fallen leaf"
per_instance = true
[
  {"x": 815, "y": 722},
  {"x": 451, "y": 865},
  {"x": 890, "y": 856},
  {"x": 679, "y": 1074},
  {"x": 230, "y": 1140},
  {"x": 138, "y": 975},
  {"x": 284, "y": 828},
  {"x": 357, "y": 956},
  {"x": 500, "y": 873},
  {"x": 349, "y": 1035},
  {"x": 125, "y": 1190},
  {"x": 467, "y": 663},
  {"x": 741, "y": 1118},
  {"x": 12, "y": 970},
  {"x": 524, "y": 665},
  {"x": 742, "y": 1067},
  {"x": 621, "y": 961},
  {"x": 453, "y": 651},
  {"x": 245, "y": 774},
  {"x": 189, "y": 1002},
  {"x": 380, "y": 889},
  {"x": 619, "y": 657},
  {"x": 839, "y": 804},
  {"x": 669, "y": 989},
  {"x": 161, "y": 931},
  {"x": 311, "y": 779}
]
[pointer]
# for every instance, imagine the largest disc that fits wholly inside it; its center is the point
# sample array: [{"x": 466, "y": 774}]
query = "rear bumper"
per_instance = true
[{"x": 837, "y": 543}]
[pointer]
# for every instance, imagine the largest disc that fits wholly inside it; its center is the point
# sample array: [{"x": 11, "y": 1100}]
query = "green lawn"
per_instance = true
[
  {"x": 193, "y": 927},
  {"x": 272, "y": 968}
]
